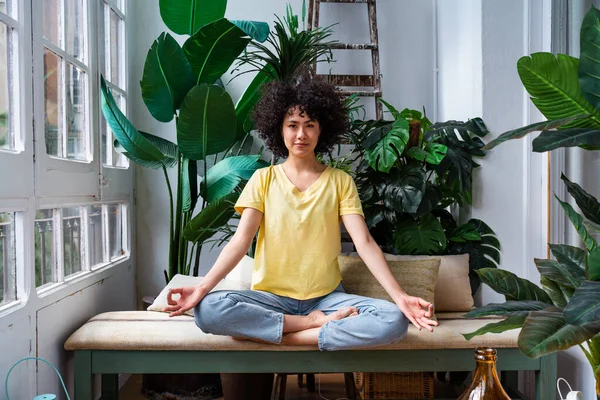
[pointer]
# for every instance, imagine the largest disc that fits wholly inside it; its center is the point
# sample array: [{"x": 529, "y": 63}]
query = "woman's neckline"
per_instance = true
[{"x": 310, "y": 188}]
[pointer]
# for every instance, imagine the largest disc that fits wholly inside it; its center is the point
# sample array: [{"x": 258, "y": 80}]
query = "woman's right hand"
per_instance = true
[{"x": 189, "y": 296}]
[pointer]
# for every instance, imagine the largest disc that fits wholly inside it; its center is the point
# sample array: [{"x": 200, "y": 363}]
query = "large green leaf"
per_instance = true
[
  {"x": 213, "y": 49},
  {"x": 168, "y": 148},
  {"x": 189, "y": 182},
  {"x": 584, "y": 307},
  {"x": 167, "y": 78},
  {"x": 465, "y": 233},
  {"x": 423, "y": 236},
  {"x": 560, "y": 295},
  {"x": 553, "y": 84},
  {"x": 546, "y": 332},
  {"x": 589, "y": 205},
  {"x": 129, "y": 137},
  {"x": 577, "y": 221},
  {"x": 536, "y": 126},
  {"x": 258, "y": 31},
  {"x": 248, "y": 101},
  {"x": 206, "y": 123},
  {"x": 589, "y": 65},
  {"x": 433, "y": 153},
  {"x": 431, "y": 199},
  {"x": 226, "y": 175},
  {"x": 216, "y": 214},
  {"x": 575, "y": 137},
  {"x": 390, "y": 143},
  {"x": 185, "y": 17},
  {"x": 404, "y": 192},
  {"x": 562, "y": 273},
  {"x": 572, "y": 256},
  {"x": 512, "y": 322},
  {"x": 593, "y": 264},
  {"x": 511, "y": 286},
  {"x": 521, "y": 308}
]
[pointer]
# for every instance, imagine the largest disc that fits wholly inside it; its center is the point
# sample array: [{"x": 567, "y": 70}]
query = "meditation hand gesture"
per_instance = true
[
  {"x": 189, "y": 297},
  {"x": 418, "y": 311}
]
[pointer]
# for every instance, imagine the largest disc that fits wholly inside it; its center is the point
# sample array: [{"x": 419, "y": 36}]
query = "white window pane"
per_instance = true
[
  {"x": 76, "y": 115},
  {"x": 45, "y": 259},
  {"x": 75, "y": 25},
  {"x": 3, "y": 6},
  {"x": 53, "y": 103},
  {"x": 114, "y": 60},
  {"x": 72, "y": 240},
  {"x": 51, "y": 11},
  {"x": 8, "y": 283},
  {"x": 9, "y": 7},
  {"x": 95, "y": 235},
  {"x": 115, "y": 227},
  {"x": 7, "y": 140}
]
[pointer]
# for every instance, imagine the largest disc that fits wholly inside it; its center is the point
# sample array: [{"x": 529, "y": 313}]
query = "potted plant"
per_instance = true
[
  {"x": 408, "y": 173},
  {"x": 565, "y": 310}
]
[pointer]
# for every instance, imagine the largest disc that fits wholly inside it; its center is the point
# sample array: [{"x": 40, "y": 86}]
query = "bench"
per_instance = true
[{"x": 151, "y": 342}]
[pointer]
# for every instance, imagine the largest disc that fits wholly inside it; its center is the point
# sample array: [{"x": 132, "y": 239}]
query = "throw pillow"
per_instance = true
[{"x": 416, "y": 277}]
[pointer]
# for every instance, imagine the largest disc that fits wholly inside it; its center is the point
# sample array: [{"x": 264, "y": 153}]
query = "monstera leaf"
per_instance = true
[
  {"x": 422, "y": 236},
  {"x": 405, "y": 191},
  {"x": 390, "y": 141}
]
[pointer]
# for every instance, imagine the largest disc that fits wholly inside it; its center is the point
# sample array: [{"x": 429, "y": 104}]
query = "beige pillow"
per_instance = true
[
  {"x": 453, "y": 288},
  {"x": 416, "y": 277},
  {"x": 184, "y": 280}
]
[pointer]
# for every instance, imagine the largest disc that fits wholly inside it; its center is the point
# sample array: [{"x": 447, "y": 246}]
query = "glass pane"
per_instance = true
[
  {"x": 3, "y": 6},
  {"x": 75, "y": 26},
  {"x": 8, "y": 283},
  {"x": 72, "y": 239},
  {"x": 115, "y": 49},
  {"x": 6, "y": 138},
  {"x": 50, "y": 20},
  {"x": 53, "y": 103},
  {"x": 118, "y": 159},
  {"x": 45, "y": 259},
  {"x": 105, "y": 138},
  {"x": 95, "y": 235},
  {"x": 115, "y": 227},
  {"x": 76, "y": 115}
]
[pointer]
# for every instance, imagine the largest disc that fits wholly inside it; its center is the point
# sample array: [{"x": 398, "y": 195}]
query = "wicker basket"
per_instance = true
[{"x": 394, "y": 385}]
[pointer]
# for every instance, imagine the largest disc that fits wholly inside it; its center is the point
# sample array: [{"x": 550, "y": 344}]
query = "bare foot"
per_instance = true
[{"x": 320, "y": 318}]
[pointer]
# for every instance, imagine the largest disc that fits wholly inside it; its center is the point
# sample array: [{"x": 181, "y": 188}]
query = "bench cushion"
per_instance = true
[{"x": 146, "y": 330}]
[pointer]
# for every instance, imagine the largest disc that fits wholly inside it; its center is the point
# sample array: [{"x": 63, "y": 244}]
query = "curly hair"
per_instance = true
[{"x": 315, "y": 97}]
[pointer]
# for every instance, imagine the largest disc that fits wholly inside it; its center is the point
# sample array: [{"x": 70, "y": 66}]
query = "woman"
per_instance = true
[{"x": 297, "y": 296}]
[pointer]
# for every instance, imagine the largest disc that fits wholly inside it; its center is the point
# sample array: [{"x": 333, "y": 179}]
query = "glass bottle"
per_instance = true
[{"x": 485, "y": 385}]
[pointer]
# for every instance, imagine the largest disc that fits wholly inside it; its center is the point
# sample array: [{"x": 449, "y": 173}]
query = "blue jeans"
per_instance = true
[{"x": 259, "y": 315}]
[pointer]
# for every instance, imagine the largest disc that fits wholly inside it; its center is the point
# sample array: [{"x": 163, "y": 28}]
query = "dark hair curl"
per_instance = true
[{"x": 315, "y": 97}]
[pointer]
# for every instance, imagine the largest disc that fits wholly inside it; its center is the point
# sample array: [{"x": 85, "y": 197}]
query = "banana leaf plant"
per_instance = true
[
  {"x": 565, "y": 310},
  {"x": 183, "y": 83},
  {"x": 409, "y": 172}
]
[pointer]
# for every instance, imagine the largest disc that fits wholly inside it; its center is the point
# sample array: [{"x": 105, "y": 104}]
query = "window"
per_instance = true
[
  {"x": 8, "y": 282},
  {"x": 75, "y": 239},
  {"x": 8, "y": 81},
  {"x": 66, "y": 72},
  {"x": 114, "y": 73}
]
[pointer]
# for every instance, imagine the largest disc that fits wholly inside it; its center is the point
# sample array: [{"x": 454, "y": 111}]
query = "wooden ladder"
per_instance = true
[{"x": 372, "y": 82}]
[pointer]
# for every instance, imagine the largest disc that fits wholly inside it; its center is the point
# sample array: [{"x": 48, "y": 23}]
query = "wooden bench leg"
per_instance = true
[
  {"x": 350, "y": 388},
  {"x": 310, "y": 383},
  {"x": 83, "y": 375},
  {"x": 300, "y": 380},
  {"x": 545, "y": 378},
  {"x": 110, "y": 387},
  {"x": 280, "y": 386}
]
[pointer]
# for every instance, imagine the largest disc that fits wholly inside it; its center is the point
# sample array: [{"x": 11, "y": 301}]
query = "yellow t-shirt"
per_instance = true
[{"x": 299, "y": 236}]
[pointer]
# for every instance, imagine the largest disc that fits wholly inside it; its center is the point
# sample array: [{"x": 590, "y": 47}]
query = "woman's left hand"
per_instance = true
[{"x": 418, "y": 311}]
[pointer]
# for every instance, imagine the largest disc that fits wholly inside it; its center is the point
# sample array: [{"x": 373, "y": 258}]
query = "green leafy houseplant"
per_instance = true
[
  {"x": 409, "y": 172},
  {"x": 565, "y": 310},
  {"x": 182, "y": 83}
]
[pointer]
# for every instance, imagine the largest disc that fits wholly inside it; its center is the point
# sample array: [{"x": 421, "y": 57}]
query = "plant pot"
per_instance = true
[{"x": 247, "y": 386}]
